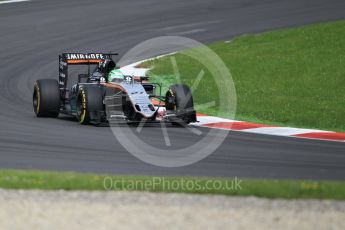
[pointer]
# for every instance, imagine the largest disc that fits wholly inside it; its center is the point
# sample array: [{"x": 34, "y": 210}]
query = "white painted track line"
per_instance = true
[{"x": 13, "y": 1}]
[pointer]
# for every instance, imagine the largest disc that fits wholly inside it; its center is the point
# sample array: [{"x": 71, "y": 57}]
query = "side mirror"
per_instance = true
[{"x": 150, "y": 89}]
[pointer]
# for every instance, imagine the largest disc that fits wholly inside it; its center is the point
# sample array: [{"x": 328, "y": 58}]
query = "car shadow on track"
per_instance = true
[{"x": 130, "y": 125}]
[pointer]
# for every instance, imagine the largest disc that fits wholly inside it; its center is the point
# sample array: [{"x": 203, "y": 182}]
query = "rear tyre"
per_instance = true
[
  {"x": 89, "y": 103},
  {"x": 179, "y": 101},
  {"x": 46, "y": 98}
]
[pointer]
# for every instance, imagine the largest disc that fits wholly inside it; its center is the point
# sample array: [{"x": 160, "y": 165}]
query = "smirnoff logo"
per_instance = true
[{"x": 84, "y": 56}]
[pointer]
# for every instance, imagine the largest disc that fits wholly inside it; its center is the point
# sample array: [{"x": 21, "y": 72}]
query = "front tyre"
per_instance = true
[
  {"x": 46, "y": 98},
  {"x": 179, "y": 102}
]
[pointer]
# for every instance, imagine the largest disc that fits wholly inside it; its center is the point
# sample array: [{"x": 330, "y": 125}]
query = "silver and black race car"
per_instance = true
[{"x": 94, "y": 99}]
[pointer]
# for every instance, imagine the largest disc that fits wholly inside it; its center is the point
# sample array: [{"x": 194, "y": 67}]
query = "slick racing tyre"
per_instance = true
[
  {"x": 179, "y": 101},
  {"x": 89, "y": 101},
  {"x": 46, "y": 98}
]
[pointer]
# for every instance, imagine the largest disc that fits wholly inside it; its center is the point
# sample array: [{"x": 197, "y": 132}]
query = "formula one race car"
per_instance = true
[{"x": 96, "y": 98}]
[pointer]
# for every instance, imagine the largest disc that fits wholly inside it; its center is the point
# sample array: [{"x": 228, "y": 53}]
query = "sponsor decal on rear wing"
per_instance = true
[
  {"x": 79, "y": 58},
  {"x": 63, "y": 74}
]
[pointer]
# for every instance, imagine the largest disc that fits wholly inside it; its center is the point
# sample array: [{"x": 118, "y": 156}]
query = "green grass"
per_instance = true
[
  {"x": 293, "y": 77},
  {"x": 16, "y": 179}
]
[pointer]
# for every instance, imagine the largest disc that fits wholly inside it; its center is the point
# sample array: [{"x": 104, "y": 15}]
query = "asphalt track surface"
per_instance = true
[{"x": 34, "y": 33}]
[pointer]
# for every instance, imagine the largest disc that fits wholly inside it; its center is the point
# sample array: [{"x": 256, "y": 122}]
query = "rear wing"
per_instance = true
[{"x": 66, "y": 59}]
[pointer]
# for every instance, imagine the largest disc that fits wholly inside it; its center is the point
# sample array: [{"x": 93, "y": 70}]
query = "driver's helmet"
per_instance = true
[
  {"x": 107, "y": 65},
  {"x": 115, "y": 74}
]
